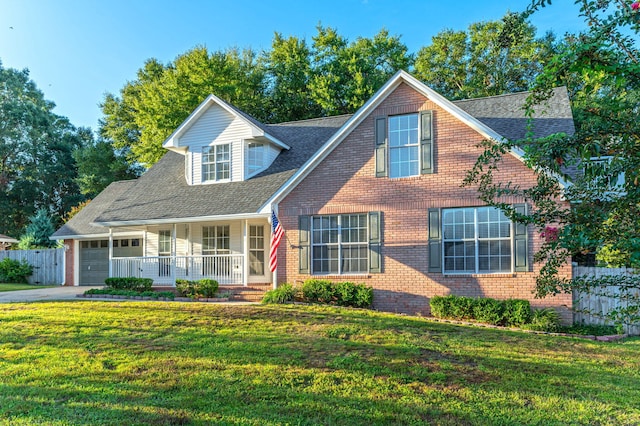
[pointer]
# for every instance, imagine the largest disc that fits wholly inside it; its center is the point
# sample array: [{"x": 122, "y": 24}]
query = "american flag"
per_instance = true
[{"x": 276, "y": 235}]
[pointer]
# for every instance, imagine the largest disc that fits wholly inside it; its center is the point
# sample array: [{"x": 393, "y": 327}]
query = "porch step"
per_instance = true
[
  {"x": 251, "y": 293},
  {"x": 247, "y": 296}
]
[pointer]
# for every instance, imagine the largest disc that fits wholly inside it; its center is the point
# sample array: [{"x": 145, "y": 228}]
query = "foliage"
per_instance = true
[
  {"x": 37, "y": 170},
  {"x": 147, "y": 293},
  {"x": 491, "y": 311},
  {"x": 38, "y": 231},
  {"x": 202, "y": 288},
  {"x": 318, "y": 291},
  {"x": 589, "y": 329},
  {"x": 544, "y": 320},
  {"x": 482, "y": 61},
  {"x": 292, "y": 81},
  {"x": 322, "y": 364},
  {"x": 129, "y": 283},
  {"x": 14, "y": 271},
  {"x": 99, "y": 164},
  {"x": 341, "y": 293},
  {"x": 282, "y": 294},
  {"x": 74, "y": 211},
  {"x": 600, "y": 67}
]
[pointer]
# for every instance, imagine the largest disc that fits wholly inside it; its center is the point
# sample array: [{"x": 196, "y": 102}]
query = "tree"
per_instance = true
[
  {"x": 485, "y": 60},
  {"x": 38, "y": 231},
  {"x": 99, "y": 164},
  {"x": 602, "y": 67},
  {"x": 37, "y": 169}
]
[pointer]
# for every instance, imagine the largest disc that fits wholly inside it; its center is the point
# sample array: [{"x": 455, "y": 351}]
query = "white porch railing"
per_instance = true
[{"x": 164, "y": 270}]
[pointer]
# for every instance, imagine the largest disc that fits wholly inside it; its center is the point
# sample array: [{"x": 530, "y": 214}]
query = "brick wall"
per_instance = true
[
  {"x": 69, "y": 263},
  {"x": 345, "y": 182}
]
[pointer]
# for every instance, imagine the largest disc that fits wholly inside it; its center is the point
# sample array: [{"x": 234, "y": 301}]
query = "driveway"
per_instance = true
[{"x": 52, "y": 293}]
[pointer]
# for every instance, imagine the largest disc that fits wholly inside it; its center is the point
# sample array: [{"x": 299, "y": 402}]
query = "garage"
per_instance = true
[{"x": 94, "y": 258}]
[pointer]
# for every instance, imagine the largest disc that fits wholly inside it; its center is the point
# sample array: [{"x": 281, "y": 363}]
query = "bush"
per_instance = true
[
  {"x": 116, "y": 292},
  {"x": 440, "y": 306},
  {"x": 489, "y": 311},
  {"x": 363, "y": 297},
  {"x": 318, "y": 291},
  {"x": 205, "y": 287},
  {"x": 130, "y": 283},
  {"x": 517, "y": 312},
  {"x": 283, "y": 294},
  {"x": 15, "y": 271},
  {"x": 462, "y": 307},
  {"x": 544, "y": 320}
]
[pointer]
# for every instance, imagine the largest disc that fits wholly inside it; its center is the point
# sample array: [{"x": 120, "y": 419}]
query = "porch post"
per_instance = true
[
  {"x": 245, "y": 261},
  {"x": 173, "y": 253},
  {"x": 110, "y": 252}
]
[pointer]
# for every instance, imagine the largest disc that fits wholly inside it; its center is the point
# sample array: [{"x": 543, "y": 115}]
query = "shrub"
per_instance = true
[
  {"x": 517, "y": 312},
  {"x": 440, "y": 306},
  {"x": 318, "y": 291},
  {"x": 544, "y": 320},
  {"x": 462, "y": 307},
  {"x": 490, "y": 311},
  {"x": 116, "y": 292},
  {"x": 345, "y": 293},
  {"x": 14, "y": 271},
  {"x": 283, "y": 294},
  {"x": 205, "y": 287},
  {"x": 363, "y": 296},
  {"x": 130, "y": 283}
]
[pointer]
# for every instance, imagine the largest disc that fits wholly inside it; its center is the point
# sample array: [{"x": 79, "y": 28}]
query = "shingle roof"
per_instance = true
[
  {"x": 82, "y": 222},
  {"x": 163, "y": 193},
  {"x": 505, "y": 114}
]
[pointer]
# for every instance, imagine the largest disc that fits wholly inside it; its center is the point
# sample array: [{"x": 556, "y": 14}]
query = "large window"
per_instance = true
[
  {"x": 255, "y": 157},
  {"x": 216, "y": 163},
  {"x": 476, "y": 240},
  {"x": 339, "y": 244},
  {"x": 403, "y": 146}
]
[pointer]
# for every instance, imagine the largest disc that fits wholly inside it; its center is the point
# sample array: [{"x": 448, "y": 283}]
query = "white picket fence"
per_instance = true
[
  {"x": 592, "y": 307},
  {"x": 48, "y": 264}
]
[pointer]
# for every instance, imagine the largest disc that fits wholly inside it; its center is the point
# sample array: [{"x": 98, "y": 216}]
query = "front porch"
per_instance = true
[{"x": 232, "y": 252}]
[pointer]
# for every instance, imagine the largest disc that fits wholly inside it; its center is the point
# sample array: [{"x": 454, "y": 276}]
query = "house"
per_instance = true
[
  {"x": 6, "y": 241},
  {"x": 372, "y": 197}
]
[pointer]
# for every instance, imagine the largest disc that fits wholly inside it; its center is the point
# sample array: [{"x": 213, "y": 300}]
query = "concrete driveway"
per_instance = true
[{"x": 52, "y": 293}]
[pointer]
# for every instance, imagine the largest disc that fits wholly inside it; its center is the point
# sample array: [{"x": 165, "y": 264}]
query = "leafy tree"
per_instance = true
[
  {"x": 99, "y": 165},
  {"x": 485, "y": 60},
  {"x": 38, "y": 231},
  {"x": 602, "y": 67},
  {"x": 37, "y": 169}
]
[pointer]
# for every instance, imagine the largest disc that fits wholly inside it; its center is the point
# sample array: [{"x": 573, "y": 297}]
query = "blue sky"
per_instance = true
[{"x": 78, "y": 50}]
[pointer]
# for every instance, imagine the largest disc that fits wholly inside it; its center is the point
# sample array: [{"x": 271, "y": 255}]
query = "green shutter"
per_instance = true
[
  {"x": 375, "y": 242},
  {"x": 381, "y": 147},
  {"x": 426, "y": 142},
  {"x": 304, "y": 240},
  {"x": 435, "y": 241},
  {"x": 521, "y": 242}
]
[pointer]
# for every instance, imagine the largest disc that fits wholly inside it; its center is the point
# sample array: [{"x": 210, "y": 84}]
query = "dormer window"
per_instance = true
[
  {"x": 216, "y": 163},
  {"x": 255, "y": 157}
]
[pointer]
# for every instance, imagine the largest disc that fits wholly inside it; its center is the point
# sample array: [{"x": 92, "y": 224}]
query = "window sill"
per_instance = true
[
  {"x": 358, "y": 276},
  {"x": 489, "y": 275}
]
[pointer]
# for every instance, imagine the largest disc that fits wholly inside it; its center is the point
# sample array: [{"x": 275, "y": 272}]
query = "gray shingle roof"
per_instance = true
[
  {"x": 162, "y": 192},
  {"x": 81, "y": 223},
  {"x": 505, "y": 114}
]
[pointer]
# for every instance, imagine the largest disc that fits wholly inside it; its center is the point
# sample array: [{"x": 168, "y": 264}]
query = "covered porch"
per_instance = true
[{"x": 232, "y": 252}]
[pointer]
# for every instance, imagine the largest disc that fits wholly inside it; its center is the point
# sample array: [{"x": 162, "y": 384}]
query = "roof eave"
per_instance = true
[{"x": 166, "y": 221}]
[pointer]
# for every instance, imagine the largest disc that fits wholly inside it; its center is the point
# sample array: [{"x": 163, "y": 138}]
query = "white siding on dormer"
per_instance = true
[{"x": 214, "y": 127}]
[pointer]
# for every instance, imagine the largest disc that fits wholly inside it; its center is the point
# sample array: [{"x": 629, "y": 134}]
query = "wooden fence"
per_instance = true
[
  {"x": 592, "y": 307},
  {"x": 48, "y": 264}
]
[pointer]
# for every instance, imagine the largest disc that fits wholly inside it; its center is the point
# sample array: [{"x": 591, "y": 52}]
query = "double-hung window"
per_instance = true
[
  {"x": 255, "y": 157},
  {"x": 403, "y": 146},
  {"x": 476, "y": 240},
  {"x": 215, "y": 240},
  {"x": 164, "y": 251},
  {"x": 340, "y": 244},
  {"x": 216, "y": 163}
]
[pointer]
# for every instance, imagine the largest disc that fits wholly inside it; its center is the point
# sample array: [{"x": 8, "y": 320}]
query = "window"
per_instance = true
[
  {"x": 476, "y": 240},
  {"x": 135, "y": 242},
  {"x": 256, "y": 250},
  {"x": 255, "y": 157},
  {"x": 216, "y": 163},
  {"x": 339, "y": 244},
  {"x": 403, "y": 146},
  {"x": 124, "y": 243},
  {"x": 215, "y": 240},
  {"x": 164, "y": 250}
]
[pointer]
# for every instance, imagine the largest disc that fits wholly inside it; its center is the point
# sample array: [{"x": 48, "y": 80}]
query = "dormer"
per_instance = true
[{"x": 222, "y": 144}]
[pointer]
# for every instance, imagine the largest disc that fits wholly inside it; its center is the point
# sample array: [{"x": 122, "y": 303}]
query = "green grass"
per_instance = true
[
  {"x": 172, "y": 363},
  {"x": 14, "y": 287}
]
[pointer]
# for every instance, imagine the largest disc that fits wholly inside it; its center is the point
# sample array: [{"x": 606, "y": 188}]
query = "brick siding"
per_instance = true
[{"x": 345, "y": 182}]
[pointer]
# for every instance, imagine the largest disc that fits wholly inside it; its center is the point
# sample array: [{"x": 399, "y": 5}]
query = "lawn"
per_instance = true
[
  {"x": 189, "y": 363},
  {"x": 14, "y": 287}
]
